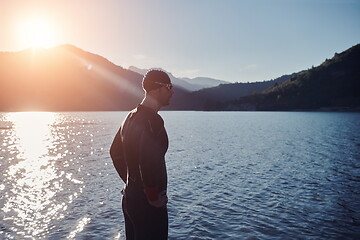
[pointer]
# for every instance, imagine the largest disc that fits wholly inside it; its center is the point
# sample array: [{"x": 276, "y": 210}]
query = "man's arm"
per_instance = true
[
  {"x": 117, "y": 156},
  {"x": 151, "y": 158}
]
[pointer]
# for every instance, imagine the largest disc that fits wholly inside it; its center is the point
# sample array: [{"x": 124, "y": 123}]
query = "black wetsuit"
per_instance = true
[{"x": 138, "y": 153}]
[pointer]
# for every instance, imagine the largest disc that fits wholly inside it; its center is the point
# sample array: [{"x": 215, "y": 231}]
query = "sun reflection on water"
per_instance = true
[
  {"x": 33, "y": 177},
  {"x": 33, "y": 132}
]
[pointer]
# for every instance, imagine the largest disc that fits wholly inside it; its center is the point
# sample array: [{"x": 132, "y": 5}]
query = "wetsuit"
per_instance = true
[{"x": 138, "y": 153}]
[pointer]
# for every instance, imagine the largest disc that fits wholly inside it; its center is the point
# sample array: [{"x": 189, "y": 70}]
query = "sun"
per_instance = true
[{"x": 36, "y": 33}]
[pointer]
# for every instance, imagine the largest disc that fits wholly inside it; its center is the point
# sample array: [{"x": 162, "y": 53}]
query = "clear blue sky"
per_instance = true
[{"x": 232, "y": 40}]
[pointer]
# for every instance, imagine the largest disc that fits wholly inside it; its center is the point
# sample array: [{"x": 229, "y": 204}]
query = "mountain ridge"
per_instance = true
[
  {"x": 67, "y": 78},
  {"x": 203, "y": 99},
  {"x": 333, "y": 85},
  {"x": 189, "y": 84}
]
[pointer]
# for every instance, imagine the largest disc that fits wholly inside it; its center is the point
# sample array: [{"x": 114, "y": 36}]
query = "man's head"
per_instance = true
[{"x": 158, "y": 84}]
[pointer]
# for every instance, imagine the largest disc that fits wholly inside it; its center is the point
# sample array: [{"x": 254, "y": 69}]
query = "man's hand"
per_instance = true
[{"x": 161, "y": 201}]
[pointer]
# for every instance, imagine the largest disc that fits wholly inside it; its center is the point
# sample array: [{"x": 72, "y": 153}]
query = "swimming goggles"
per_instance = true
[{"x": 169, "y": 86}]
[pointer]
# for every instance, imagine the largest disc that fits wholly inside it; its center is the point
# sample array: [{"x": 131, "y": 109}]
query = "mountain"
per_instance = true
[
  {"x": 204, "y": 99},
  {"x": 203, "y": 82},
  {"x": 189, "y": 84},
  {"x": 334, "y": 85},
  {"x": 138, "y": 70},
  {"x": 66, "y": 78}
]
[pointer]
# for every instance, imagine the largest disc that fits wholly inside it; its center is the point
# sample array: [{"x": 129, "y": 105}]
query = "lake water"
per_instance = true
[{"x": 232, "y": 175}]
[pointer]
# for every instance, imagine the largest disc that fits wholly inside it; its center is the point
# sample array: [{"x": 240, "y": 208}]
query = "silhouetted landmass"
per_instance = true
[
  {"x": 334, "y": 85},
  {"x": 66, "y": 78},
  {"x": 216, "y": 98},
  {"x": 189, "y": 84}
]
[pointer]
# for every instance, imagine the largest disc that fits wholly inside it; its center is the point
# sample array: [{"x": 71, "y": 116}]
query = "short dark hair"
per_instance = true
[{"x": 153, "y": 76}]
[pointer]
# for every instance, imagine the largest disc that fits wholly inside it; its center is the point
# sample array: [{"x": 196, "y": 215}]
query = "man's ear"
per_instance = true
[
  {"x": 157, "y": 91},
  {"x": 154, "y": 92}
]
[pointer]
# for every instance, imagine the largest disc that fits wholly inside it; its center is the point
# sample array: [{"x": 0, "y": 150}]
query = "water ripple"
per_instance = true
[{"x": 243, "y": 176}]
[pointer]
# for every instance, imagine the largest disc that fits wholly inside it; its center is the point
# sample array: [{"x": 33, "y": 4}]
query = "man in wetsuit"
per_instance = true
[{"x": 138, "y": 153}]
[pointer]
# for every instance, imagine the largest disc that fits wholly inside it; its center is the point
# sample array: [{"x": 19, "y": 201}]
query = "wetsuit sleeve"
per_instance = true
[
  {"x": 117, "y": 156},
  {"x": 151, "y": 160}
]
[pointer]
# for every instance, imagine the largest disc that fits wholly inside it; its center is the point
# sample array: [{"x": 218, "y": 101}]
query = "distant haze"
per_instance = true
[{"x": 190, "y": 84}]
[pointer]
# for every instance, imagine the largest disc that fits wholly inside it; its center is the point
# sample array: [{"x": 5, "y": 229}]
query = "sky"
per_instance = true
[{"x": 231, "y": 40}]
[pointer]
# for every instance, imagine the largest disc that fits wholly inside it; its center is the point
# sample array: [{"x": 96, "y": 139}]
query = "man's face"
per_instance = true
[{"x": 165, "y": 94}]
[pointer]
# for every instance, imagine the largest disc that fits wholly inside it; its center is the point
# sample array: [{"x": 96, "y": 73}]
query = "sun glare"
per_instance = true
[{"x": 36, "y": 33}]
